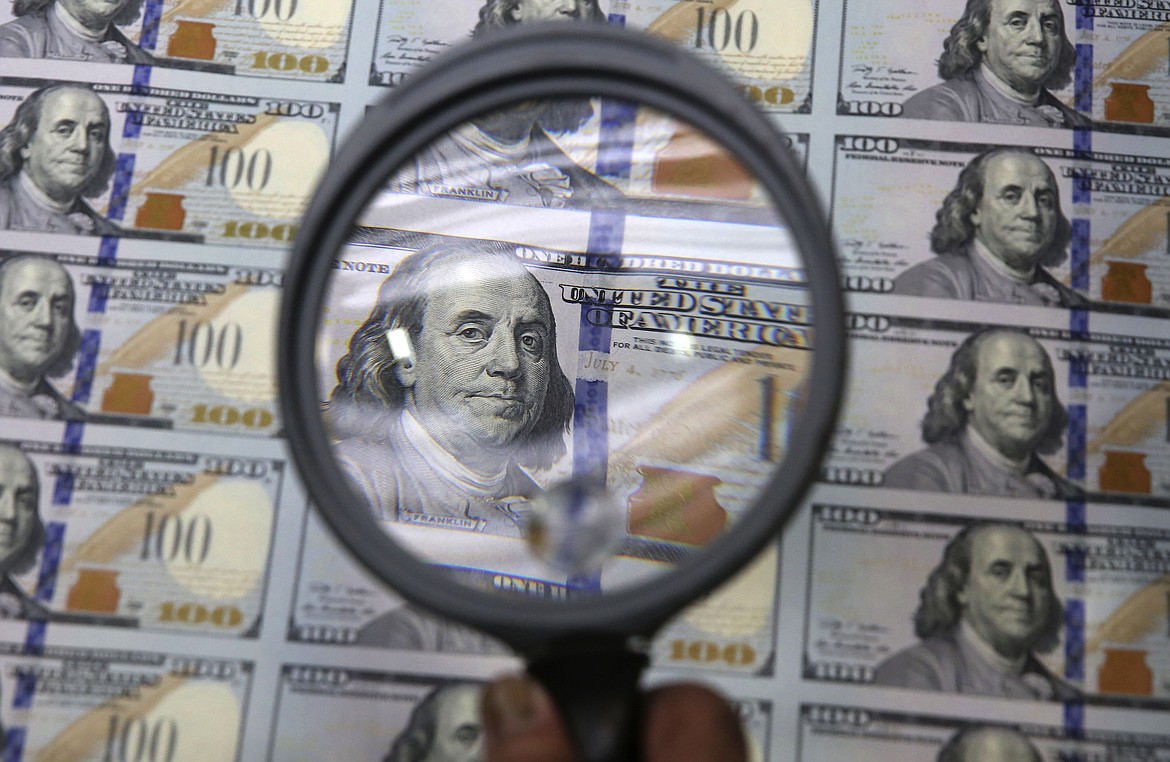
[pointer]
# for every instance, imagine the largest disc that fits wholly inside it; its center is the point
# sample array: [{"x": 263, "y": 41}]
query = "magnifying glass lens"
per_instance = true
[{"x": 565, "y": 347}]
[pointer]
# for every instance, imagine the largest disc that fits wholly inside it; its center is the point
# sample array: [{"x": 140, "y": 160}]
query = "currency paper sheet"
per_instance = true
[{"x": 982, "y": 566}]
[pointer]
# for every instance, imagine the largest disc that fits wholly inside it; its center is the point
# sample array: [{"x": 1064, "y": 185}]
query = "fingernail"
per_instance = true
[{"x": 515, "y": 705}]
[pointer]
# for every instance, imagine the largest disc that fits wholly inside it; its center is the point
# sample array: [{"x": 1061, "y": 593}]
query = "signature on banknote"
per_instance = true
[{"x": 883, "y": 79}]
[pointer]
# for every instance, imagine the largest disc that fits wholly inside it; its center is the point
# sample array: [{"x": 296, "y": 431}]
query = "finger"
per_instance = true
[
  {"x": 521, "y": 724},
  {"x": 691, "y": 723}
]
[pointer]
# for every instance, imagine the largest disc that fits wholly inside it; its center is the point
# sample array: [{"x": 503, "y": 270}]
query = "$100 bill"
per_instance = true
[
  {"x": 763, "y": 45},
  {"x": 891, "y": 53},
  {"x": 1093, "y": 412},
  {"x": 1110, "y": 579},
  {"x": 732, "y": 630},
  {"x": 170, "y": 164},
  {"x": 829, "y": 733},
  {"x": 161, "y": 344},
  {"x": 335, "y": 712},
  {"x": 78, "y": 703},
  {"x": 136, "y": 537},
  {"x": 288, "y": 39},
  {"x": 895, "y": 202},
  {"x": 677, "y": 380}
]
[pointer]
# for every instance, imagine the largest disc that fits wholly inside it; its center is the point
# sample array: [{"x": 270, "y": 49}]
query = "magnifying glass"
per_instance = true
[{"x": 561, "y": 348}]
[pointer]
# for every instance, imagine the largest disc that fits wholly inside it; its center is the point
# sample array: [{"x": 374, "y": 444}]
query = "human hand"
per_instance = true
[{"x": 680, "y": 723}]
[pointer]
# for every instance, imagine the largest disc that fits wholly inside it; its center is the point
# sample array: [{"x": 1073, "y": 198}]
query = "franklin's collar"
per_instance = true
[
  {"x": 1006, "y": 90},
  {"x": 988, "y": 653},
  {"x": 76, "y": 27}
]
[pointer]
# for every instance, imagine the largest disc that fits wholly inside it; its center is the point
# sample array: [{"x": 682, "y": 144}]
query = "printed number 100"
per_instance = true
[
  {"x": 716, "y": 29},
  {"x": 281, "y": 9},
  {"x": 140, "y": 740}
]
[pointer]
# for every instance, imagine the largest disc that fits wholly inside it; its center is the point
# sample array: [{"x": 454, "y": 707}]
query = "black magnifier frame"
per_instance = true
[{"x": 557, "y": 60}]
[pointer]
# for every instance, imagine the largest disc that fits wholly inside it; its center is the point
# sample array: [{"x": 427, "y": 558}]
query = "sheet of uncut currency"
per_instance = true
[
  {"x": 1115, "y": 384},
  {"x": 834, "y": 732},
  {"x": 365, "y": 713},
  {"x": 83, "y": 703},
  {"x": 198, "y": 166},
  {"x": 1120, "y": 199},
  {"x": 188, "y": 602},
  {"x": 150, "y": 538},
  {"x": 890, "y": 52},
  {"x": 1111, "y": 578},
  {"x": 291, "y": 39},
  {"x": 338, "y": 603},
  {"x": 164, "y": 344},
  {"x": 765, "y": 47}
]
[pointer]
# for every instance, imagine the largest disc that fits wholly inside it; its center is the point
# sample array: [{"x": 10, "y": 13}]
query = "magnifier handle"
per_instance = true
[{"x": 597, "y": 694}]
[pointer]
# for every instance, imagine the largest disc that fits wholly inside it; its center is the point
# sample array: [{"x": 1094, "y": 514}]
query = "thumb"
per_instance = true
[
  {"x": 688, "y": 722},
  {"x": 521, "y": 724}
]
